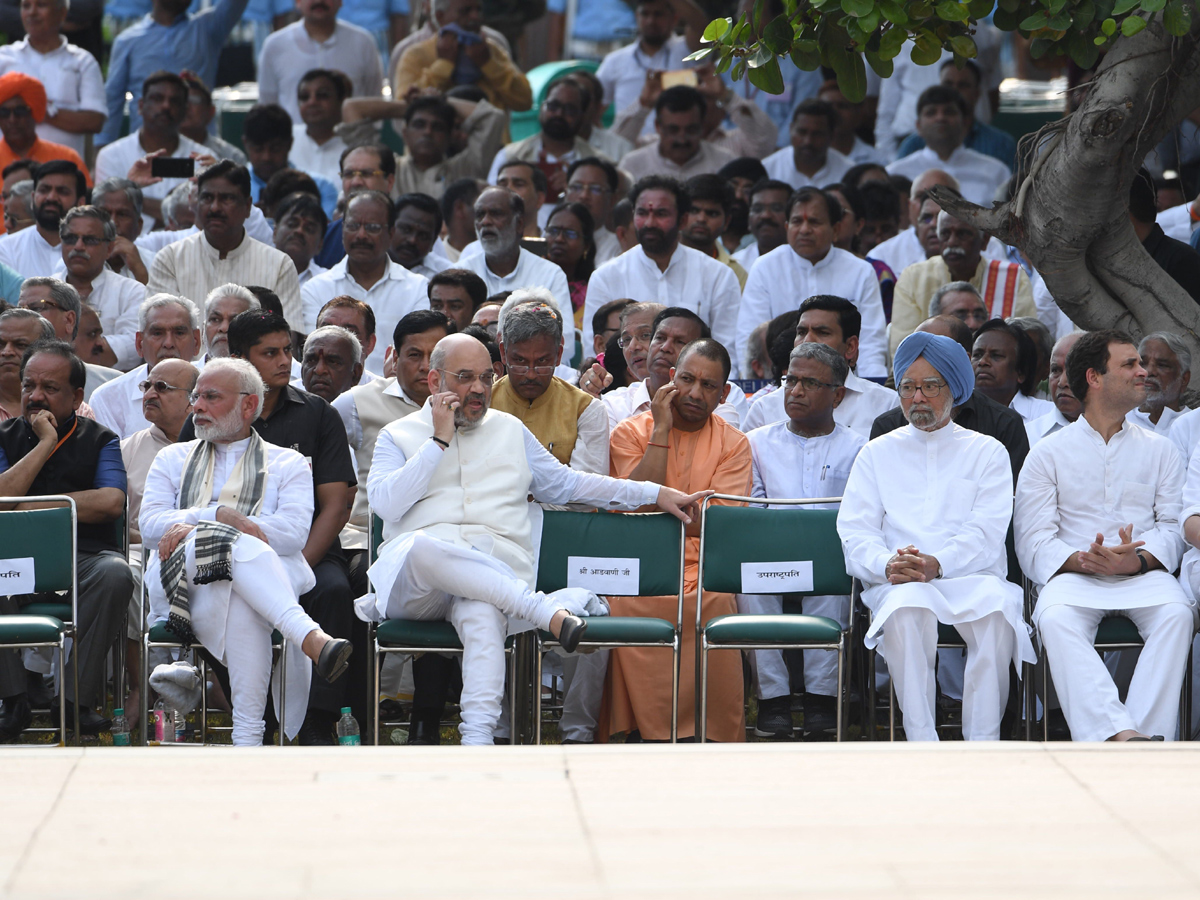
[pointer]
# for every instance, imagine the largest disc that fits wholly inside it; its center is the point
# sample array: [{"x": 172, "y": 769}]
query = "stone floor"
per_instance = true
[{"x": 864, "y": 820}]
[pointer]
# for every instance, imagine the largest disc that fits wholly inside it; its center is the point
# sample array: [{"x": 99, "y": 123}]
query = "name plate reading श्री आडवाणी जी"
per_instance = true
[
  {"x": 617, "y": 575},
  {"x": 777, "y": 577}
]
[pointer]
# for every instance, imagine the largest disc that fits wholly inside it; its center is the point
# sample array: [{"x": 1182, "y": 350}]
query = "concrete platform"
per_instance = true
[{"x": 762, "y": 821}]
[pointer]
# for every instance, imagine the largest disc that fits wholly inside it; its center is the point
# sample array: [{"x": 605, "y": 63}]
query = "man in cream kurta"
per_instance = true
[
  {"x": 450, "y": 483},
  {"x": 1097, "y": 528},
  {"x": 929, "y": 547}
]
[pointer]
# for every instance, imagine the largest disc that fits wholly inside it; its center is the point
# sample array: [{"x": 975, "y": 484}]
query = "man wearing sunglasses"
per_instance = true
[{"x": 88, "y": 234}]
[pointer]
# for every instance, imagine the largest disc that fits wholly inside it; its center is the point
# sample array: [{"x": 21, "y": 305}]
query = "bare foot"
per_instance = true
[
  {"x": 556, "y": 622},
  {"x": 1127, "y": 734},
  {"x": 314, "y": 643}
]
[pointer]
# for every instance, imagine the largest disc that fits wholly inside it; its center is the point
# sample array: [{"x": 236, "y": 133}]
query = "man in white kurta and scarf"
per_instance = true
[
  {"x": 929, "y": 545},
  {"x": 1097, "y": 529},
  {"x": 230, "y": 514},
  {"x": 451, "y": 483}
]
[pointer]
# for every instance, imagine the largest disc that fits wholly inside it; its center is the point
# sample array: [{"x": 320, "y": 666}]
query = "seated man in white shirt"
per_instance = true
[
  {"x": 221, "y": 306},
  {"x": 805, "y": 455},
  {"x": 810, "y": 264},
  {"x": 300, "y": 225},
  {"x": 457, "y": 294},
  {"x": 1005, "y": 361},
  {"x": 834, "y": 322},
  {"x": 331, "y": 363},
  {"x": 766, "y": 219},
  {"x": 315, "y": 148},
  {"x": 1168, "y": 365},
  {"x": 168, "y": 328},
  {"x": 231, "y": 503},
  {"x": 929, "y": 547},
  {"x": 941, "y": 122},
  {"x": 680, "y": 151},
  {"x": 593, "y": 182},
  {"x": 810, "y": 160},
  {"x": 1066, "y": 405},
  {"x": 58, "y": 185},
  {"x": 1097, "y": 526},
  {"x": 88, "y": 235},
  {"x": 418, "y": 224},
  {"x": 426, "y": 466},
  {"x": 662, "y": 269},
  {"x": 123, "y": 201},
  {"x": 635, "y": 330}
]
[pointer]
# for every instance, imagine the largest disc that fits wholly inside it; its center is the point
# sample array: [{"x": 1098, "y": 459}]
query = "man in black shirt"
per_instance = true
[
  {"x": 309, "y": 425},
  {"x": 51, "y": 450},
  {"x": 1174, "y": 257}
]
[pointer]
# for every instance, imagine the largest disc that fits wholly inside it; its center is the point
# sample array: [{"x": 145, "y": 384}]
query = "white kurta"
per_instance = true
[
  {"x": 864, "y": 402},
  {"x": 979, "y": 175},
  {"x": 71, "y": 77},
  {"x": 781, "y": 165},
  {"x": 692, "y": 280},
  {"x": 954, "y": 503},
  {"x": 1030, "y": 408},
  {"x": 1185, "y": 433},
  {"x": 286, "y": 515},
  {"x": 1137, "y": 417},
  {"x": 1044, "y": 426},
  {"x": 116, "y": 300},
  {"x": 29, "y": 254},
  {"x": 782, "y": 279},
  {"x": 114, "y": 161}
]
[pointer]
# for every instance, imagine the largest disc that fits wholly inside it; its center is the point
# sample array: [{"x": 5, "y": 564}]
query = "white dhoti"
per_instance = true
[
  {"x": 1069, "y": 610},
  {"x": 986, "y": 610},
  {"x": 421, "y": 577},
  {"x": 771, "y": 677},
  {"x": 234, "y": 620}
]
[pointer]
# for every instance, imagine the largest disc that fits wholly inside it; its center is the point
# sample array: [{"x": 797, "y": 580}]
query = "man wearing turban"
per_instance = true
[{"x": 923, "y": 520}]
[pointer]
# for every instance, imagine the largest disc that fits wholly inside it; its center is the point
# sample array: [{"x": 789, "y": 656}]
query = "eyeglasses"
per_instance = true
[
  {"x": 160, "y": 387},
  {"x": 15, "y": 112},
  {"x": 555, "y": 231},
  {"x": 596, "y": 190},
  {"x": 536, "y": 370},
  {"x": 642, "y": 337},
  {"x": 809, "y": 384},
  {"x": 566, "y": 109},
  {"x": 372, "y": 228},
  {"x": 210, "y": 396},
  {"x": 466, "y": 378},
  {"x": 40, "y": 306},
  {"x": 929, "y": 388},
  {"x": 88, "y": 240},
  {"x": 362, "y": 173}
]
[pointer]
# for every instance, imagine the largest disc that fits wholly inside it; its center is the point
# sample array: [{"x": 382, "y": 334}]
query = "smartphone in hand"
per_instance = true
[{"x": 172, "y": 167}]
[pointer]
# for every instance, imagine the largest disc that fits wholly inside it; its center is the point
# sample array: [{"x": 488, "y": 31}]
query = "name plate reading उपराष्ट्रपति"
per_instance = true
[
  {"x": 777, "y": 577},
  {"x": 16, "y": 576}
]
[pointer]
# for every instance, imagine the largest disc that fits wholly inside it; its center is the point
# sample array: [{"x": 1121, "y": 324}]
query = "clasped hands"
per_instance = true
[
  {"x": 1118, "y": 559},
  {"x": 910, "y": 564},
  {"x": 176, "y": 533}
]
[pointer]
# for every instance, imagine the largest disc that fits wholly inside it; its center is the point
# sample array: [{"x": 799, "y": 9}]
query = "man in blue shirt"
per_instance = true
[
  {"x": 168, "y": 38},
  {"x": 267, "y": 138}
]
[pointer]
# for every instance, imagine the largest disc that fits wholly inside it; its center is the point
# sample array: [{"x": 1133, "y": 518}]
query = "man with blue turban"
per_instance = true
[{"x": 922, "y": 523}]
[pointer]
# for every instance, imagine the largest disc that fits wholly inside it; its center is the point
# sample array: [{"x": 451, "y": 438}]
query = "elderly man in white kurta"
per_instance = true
[
  {"x": 809, "y": 264},
  {"x": 1097, "y": 528},
  {"x": 806, "y": 455},
  {"x": 451, "y": 483},
  {"x": 230, "y": 515},
  {"x": 922, "y": 523}
]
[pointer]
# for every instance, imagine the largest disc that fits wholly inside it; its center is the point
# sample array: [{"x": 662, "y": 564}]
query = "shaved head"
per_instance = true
[{"x": 951, "y": 327}]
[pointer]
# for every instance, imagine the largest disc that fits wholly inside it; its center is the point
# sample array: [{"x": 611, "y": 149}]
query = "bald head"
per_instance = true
[
  {"x": 460, "y": 372},
  {"x": 928, "y": 179},
  {"x": 1057, "y": 383},
  {"x": 165, "y": 401},
  {"x": 951, "y": 327}
]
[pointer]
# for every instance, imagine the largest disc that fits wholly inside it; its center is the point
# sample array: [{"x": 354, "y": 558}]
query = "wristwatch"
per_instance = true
[{"x": 1142, "y": 559}]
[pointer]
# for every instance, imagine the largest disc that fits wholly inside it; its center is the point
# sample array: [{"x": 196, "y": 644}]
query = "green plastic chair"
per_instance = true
[
  {"x": 49, "y": 537},
  {"x": 656, "y": 541},
  {"x": 733, "y": 535}
]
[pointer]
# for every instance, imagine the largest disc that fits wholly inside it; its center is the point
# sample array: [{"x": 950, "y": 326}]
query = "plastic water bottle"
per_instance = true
[
  {"x": 347, "y": 729},
  {"x": 120, "y": 729},
  {"x": 178, "y": 722},
  {"x": 158, "y": 719}
]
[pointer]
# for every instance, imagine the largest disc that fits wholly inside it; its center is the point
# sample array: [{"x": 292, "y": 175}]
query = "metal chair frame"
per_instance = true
[{"x": 842, "y": 647}]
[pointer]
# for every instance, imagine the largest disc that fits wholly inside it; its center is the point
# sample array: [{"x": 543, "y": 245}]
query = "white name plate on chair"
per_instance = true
[
  {"x": 777, "y": 577},
  {"x": 16, "y": 576},
  {"x": 605, "y": 574}
]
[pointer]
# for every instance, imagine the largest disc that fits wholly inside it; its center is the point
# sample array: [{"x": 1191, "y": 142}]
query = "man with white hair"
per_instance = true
[
  {"x": 88, "y": 235},
  {"x": 220, "y": 307},
  {"x": 332, "y": 362},
  {"x": 230, "y": 514},
  {"x": 122, "y": 199},
  {"x": 168, "y": 328},
  {"x": 1066, "y": 405},
  {"x": 959, "y": 299},
  {"x": 929, "y": 547},
  {"x": 1004, "y": 286},
  {"x": 59, "y": 304},
  {"x": 458, "y": 538},
  {"x": 1168, "y": 365}
]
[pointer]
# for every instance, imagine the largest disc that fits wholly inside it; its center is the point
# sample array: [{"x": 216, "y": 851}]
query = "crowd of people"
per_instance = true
[{"x": 248, "y": 351}]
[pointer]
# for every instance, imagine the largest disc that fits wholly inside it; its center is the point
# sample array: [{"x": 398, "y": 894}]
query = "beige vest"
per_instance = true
[
  {"x": 375, "y": 410},
  {"x": 477, "y": 495},
  {"x": 553, "y": 417}
]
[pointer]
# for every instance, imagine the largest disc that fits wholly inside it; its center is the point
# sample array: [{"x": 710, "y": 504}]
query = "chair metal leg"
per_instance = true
[
  {"x": 1187, "y": 698},
  {"x": 702, "y": 733},
  {"x": 891, "y": 708},
  {"x": 871, "y": 693},
  {"x": 62, "y": 696},
  {"x": 1030, "y": 696},
  {"x": 1042, "y": 658},
  {"x": 537, "y": 695},
  {"x": 677, "y": 651},
  {"x": 283, "y": 649},
  {"x": 145, "y": 679},
  {"x": 376, "y": 663},
  {"x": 841, "y": 651},
  {"x": 203, "y": 701},
  {"x": 75, "y": 679}
]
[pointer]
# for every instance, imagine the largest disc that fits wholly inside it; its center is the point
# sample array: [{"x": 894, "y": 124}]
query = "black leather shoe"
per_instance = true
[
  {"x": 820, "y": 717},
  {"x": 317, "y": 730},
  {"x": 424, "y": 733},
  {"x": 572, "y": 632},
  {"x": 40, "y": 695},
  {"x": 89, "y": 721},
  {"x": 15, "y": 719},
  {"x": 774, "y": 718},
  {"x": 334, "y": 659}
]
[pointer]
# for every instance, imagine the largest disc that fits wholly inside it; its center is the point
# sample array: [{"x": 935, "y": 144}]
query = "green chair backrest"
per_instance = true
[
  {"x": 652, "y": 539},
  {"x": 375, "y": 540},
  {"x": 46, "y": 535},
  {"x": 734, "y": 535}
]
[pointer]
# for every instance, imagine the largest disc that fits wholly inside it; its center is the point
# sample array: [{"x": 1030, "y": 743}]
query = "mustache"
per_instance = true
[
  {"x": 362, "y": 245},
  {"x": 953, "y": 253}
]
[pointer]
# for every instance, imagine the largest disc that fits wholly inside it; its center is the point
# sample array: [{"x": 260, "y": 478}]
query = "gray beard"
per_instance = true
[
  {"x": 499, "y": 246},
  {"x": 223, "y": 429}
]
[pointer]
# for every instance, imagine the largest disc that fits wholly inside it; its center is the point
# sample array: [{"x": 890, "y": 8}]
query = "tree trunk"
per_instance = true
[{"x": 1070, "y": 216}]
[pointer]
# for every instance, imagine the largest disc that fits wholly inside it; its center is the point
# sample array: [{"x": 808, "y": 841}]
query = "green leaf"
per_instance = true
[
  {"x": 920, "y": 10},
  {"x": 716, "y": 30},
  {"x": 926, "y": 50},
  {"x": 700, "y": 55},
  {"x": 857, "y": 8},
  {"x": 883, "y": 67},
  {"x": 870, "y": 21},
  {"x": 949, "y": 11},
  {"x": 1109, "y": 27},
  {"x": 806, "y": 55},
  {"x": 1034, "y": 22},
  {"x": 1082, "y": 51},
  {"x": 1177, "y": 18},
  {"x": 891, "y": 43},
  {"x": 1005, "y": 20},
  {"x": 851, "y": 74},
  {"x": 1010, "y": 6},
  {"x": 1153, "y": 6},
  {"x": 1039, "y": 47},
  {"x": 963, "y": 45},
  {"x": 980, "y": 9},
  {"x": 1132, "y": 26},
  {"x": 724, "y": 63},
  {"x": 1084, "y": 15},
  {"x": 893, "y": 12},
  {"x": 1124, "y": 6},
  {"x": 1060, "y": 22},
  {"x": 778, "y": 35},
  {"x": 738, "y": 70},
  {"x": 760, "y": 9},
  {"x": 760, "y": 57},
  {"x": 767, "y": 77}
]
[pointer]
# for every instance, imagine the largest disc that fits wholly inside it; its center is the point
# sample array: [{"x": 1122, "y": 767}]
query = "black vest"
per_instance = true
[{"x": 71, "y": 469}]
